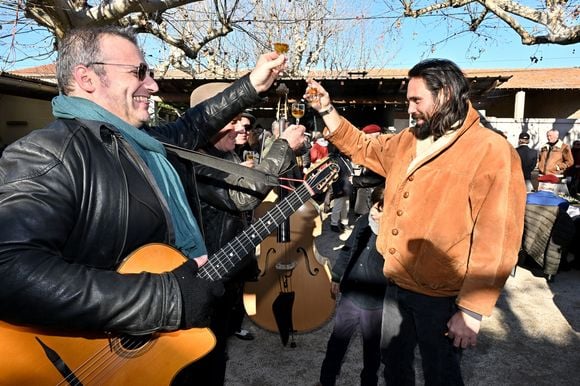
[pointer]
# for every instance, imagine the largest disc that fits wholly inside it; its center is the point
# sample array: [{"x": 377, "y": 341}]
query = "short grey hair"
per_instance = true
[{"x": 83, "y": 46}]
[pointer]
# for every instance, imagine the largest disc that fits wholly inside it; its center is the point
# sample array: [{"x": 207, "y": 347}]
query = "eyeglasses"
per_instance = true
[{"x": 142, "y": 70}]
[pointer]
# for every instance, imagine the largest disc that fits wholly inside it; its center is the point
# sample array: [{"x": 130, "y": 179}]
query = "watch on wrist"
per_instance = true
[{"x": 327, "y": 111}]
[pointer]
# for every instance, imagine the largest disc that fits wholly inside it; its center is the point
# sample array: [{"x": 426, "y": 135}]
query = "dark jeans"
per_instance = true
[
  {"x": 348, "y": 316},
  {"x": 211, "y": 369},
  {"x": 411, "y": 319}
]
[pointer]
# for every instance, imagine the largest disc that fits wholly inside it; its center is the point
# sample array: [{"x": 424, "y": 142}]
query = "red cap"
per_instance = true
[
  {"x": 550, "y": 178},
  {"x": 370, "y": 129}
]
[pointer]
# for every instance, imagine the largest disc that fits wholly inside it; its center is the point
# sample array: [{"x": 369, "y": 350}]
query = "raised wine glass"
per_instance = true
[
  {"x": 312, "y": 94},
  {"x": 297, "y": 110},
  {"x": 281, "y": 49}
]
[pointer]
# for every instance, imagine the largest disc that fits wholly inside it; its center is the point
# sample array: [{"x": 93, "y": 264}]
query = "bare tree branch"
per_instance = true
[{"x": 556, "y": 22}]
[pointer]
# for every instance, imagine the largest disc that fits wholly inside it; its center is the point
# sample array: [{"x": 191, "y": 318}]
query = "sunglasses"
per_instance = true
[{"x": 142, "y": 70}]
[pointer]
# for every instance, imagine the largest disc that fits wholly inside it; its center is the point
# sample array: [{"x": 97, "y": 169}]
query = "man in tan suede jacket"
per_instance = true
[{"x": 452, "y": 223}]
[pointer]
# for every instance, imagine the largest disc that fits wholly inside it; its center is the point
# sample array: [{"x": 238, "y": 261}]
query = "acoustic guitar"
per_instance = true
[{"x": 41, "y": 357}]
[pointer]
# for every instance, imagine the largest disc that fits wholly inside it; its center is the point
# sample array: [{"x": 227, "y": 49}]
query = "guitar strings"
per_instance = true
[
  {"x": 103, "y": 363},
  {"x": 263, "y": 227},
  {"x": 107, "y": 361}
]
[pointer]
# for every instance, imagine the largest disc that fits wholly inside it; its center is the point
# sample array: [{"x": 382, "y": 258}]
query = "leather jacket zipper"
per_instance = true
[{"x": 137, "y": 161}]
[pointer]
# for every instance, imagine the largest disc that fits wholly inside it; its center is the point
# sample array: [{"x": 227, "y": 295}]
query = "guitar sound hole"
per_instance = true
[
  {"x": 129, "y": 342},
  {"x": 130, "y": 345}
]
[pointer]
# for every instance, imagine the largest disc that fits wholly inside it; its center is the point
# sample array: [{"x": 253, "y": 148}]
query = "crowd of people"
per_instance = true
[
  {"x": 422, "y": 267},
  {"x": 552, "y": 177}
]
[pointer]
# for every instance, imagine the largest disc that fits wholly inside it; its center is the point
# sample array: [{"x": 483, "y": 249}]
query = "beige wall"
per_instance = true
[{"x": 33, "y": 112}]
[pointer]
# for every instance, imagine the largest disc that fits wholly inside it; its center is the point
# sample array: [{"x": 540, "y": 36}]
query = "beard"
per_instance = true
[{"x": 421, "y": 130}]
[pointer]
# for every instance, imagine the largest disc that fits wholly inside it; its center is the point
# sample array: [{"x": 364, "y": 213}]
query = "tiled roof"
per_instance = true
[
  {"x": 46, "y": 71},
  {"x": 541, "y": 78}
]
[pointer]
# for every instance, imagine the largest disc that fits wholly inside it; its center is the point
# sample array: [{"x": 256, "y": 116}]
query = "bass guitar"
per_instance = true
[{"x": 41, "y": 357}]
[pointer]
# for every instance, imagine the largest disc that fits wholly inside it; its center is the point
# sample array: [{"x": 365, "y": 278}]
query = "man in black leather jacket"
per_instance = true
[
  {"x": 226, "y": 201},
  {"x": 77, "y": 197}
]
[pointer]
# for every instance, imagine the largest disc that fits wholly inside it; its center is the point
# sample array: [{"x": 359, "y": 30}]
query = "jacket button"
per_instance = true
[
  {"x": 399, "y": 212},
  {"x": 392, "y": 251},
  {"x": 395, "y": 232},
  {"x": 406, "y": 195}
]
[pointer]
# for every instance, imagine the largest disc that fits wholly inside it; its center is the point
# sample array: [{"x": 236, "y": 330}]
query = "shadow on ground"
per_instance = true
[{"x": 532, "y": 338}]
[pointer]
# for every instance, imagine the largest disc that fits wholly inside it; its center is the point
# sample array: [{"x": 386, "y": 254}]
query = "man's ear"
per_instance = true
[{"x": 85, "y": 78}]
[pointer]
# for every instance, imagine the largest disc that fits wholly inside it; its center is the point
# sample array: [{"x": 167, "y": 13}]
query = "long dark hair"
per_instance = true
[
  {"x": 443, "y": 78},
  {"x": 378, "y": 195}
]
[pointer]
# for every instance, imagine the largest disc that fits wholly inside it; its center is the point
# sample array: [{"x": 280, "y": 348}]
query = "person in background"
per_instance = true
[
  {"x": 227, "y": 201},
  {"x": 573, "y": 172},
  {"x": 303, "y": 156},
  {"x": 555, "y": 156},
  {"x": 319, "y": 149},
  {"x": 267, "y": 140},
  {"x": 255, "y": 140},
  {"x": 244, "y": 126},
  {"x": 340, "y": 191},
  {"x": 80, "y": 195},
  {"x": 357, "y": 277},
  {"x": 366, "y": 180},
  {"x": 453, "y": 229},
  {"x": 529, "y": 158}
]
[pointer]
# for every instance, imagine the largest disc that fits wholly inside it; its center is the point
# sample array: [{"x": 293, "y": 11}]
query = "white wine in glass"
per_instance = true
[
  {"x": 298, "y": 109},
  {"x": 281, "y": 49}
]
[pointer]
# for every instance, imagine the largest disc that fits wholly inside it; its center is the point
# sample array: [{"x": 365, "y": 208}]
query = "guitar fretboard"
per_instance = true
[{"x": 224, "y": 260}]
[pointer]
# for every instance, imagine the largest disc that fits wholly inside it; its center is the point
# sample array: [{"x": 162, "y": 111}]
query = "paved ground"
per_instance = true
[{"x": 533, "y": 338}]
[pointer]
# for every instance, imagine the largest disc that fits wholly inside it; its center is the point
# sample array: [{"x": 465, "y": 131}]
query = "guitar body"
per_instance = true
[
  {"x": 100, "y": 359},
  {"x": 41, "y": 357},
  {"x": 313, "y": 305}
]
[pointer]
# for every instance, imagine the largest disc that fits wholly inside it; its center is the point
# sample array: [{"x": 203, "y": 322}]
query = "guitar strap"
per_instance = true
[{"x": 223, "y": 165}]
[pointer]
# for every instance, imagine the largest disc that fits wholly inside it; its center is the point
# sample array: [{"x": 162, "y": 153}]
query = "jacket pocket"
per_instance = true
[{"x": 436, "y": 269}]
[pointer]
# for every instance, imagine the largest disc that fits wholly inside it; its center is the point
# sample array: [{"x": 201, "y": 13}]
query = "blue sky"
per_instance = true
[
  {"x": 501, "y": 49},
  {"x": 506, "y": 51}
]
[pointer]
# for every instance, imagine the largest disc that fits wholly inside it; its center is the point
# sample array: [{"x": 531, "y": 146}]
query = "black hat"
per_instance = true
[
  {"x": 524, "y": 136},
  {"x": 250, "y": 116}
]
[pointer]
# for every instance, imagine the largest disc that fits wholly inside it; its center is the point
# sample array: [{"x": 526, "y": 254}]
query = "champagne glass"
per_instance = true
[{"x": 298, "y": 109}]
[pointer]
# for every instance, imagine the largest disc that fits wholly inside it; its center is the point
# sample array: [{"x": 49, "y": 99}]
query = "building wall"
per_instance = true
[
  {"x": 537, "y": 128},
  {"x": 19, "y": 116},
  {"x": 538, "y": 104},
  {"x": 556, "y": 104}
]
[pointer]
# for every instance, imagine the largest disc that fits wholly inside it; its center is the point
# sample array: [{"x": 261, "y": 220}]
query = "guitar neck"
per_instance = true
[{"x": 228, "y": 257}]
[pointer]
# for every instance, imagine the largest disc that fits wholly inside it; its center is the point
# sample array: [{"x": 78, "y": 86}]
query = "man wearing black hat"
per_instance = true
[
  {"x": 244, "y": 149},
  {"x": 529, "y": 158}
]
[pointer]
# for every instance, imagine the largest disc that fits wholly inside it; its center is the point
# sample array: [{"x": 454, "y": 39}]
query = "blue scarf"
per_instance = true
[{"x": 188, "y": 237}]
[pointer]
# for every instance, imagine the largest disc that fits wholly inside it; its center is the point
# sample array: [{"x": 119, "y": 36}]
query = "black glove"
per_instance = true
[{"x": 198, "y": 295}]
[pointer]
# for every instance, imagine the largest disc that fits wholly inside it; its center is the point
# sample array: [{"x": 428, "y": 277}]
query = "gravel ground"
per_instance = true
[{"x": 532, "y": 338}]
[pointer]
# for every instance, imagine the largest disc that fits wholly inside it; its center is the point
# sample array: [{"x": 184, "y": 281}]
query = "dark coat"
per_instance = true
[
  {"x": 341, "y": 186},
  {"x": 529, "y": 159},
  {"x": 369, "y": 279},
  {"x": 226, "y": 199},
  {"x": 75, "y": 201}
]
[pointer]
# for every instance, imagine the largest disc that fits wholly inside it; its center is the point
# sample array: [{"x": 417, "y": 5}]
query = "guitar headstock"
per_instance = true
[{"x": 321, "y": 175}]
